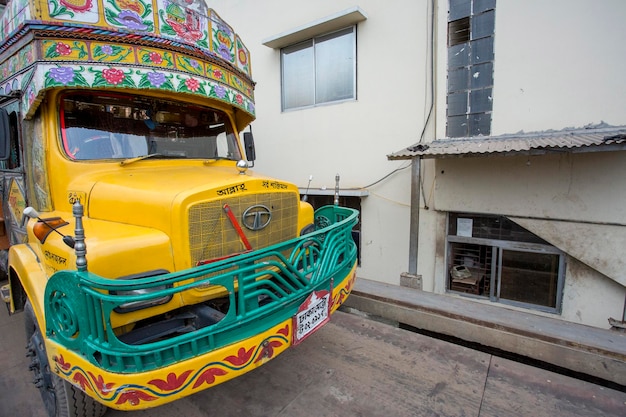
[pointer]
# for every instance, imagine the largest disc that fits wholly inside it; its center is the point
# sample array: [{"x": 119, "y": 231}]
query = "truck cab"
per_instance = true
[{"x": 149, "y": 258}]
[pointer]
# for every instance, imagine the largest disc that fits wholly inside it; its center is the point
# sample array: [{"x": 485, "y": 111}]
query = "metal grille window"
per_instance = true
[
  {"x": 470, "y": 67},
  {"x": 492, "y": 257},
  {"x": 319, "y": 70}
]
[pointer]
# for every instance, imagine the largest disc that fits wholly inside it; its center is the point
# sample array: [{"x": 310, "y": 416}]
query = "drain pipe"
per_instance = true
[
  {"x": 415, "y": 214},
  {"x": 410, "y": 279}
]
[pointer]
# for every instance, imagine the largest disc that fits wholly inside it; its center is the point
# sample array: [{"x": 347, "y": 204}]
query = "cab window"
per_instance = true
[{"x": 118, "y": 126}]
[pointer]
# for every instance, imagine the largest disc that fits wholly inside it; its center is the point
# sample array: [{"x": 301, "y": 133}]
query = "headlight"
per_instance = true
[
  {"x": 309, "y": 228},
  {"x": 138, "y": 305}
]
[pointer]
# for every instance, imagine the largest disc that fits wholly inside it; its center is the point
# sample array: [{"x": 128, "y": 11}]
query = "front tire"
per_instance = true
[{"x": 60, "y": 398}]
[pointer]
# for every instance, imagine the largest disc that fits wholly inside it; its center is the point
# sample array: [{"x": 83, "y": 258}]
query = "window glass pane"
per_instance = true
[
  {"x": 480, "y": 124},
  {"x": 529, "y": 277},
  {"x": 483, "y": 5},
  {"x": 298, "y": 75},
  {"x": 482, "y": 75},
  {"x": 334, "y": 61},
  {"x": 13, "y": 161},
  {"x": 105, "y": 126},
  {"x": 492, "y": 227},
  {"x": 457, "y": 104},
  {"x": 482, "y": 50},
  {"x": 483, "y": 25},
  {"x": 470, "y": 268},
  {"x": 494, "y": 258},
  {"x": 458, "y": 80},
  {"x": 457, "y": 126},
  {"x": 459, "y": 9},
  {"x": 480, "y": 101},
  {"x": 458, "y": 55}
]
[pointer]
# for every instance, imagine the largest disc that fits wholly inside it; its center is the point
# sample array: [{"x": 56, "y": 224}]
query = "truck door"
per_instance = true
[{"x": 12, "y": 184}]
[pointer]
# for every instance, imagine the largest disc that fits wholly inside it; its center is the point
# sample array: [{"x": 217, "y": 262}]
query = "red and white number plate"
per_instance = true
[{"x": 313, "y": 314}]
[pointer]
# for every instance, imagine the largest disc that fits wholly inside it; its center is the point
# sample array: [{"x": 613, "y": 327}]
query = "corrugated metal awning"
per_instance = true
[{"x": 572, "y": 141}]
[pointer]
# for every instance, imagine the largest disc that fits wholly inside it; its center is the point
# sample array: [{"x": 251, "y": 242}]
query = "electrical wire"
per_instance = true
[{"x": 379, "y": 180}]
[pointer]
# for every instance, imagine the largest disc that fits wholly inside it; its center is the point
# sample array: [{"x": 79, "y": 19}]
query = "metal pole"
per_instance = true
[
  {"x": 415, "y": 215},
  {"x": 336, "y": 190},
  {"x": 79, "y": 237}
]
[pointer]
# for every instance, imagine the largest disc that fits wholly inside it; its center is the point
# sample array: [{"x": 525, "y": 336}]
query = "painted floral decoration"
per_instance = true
[{"x": 76, "y": 5}]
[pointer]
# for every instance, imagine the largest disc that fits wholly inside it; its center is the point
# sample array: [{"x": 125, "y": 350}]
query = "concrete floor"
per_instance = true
[{"x": 354, "y": 367}]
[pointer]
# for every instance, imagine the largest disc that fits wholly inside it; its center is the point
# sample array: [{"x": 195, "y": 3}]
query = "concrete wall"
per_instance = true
[{"x": 567, "y": 190}]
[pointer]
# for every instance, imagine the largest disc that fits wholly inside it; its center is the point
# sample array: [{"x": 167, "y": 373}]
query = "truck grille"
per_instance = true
[{"x": 212, "y": 236}]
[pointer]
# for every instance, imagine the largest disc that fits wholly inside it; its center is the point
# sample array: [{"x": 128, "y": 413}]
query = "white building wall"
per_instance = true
[
  {"x": 557, "y": 65},
  {"x": 352, "y": 138}
]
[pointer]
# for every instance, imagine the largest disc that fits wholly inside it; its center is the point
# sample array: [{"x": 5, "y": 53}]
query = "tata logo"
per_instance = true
[{"x": 256, "y": 217}]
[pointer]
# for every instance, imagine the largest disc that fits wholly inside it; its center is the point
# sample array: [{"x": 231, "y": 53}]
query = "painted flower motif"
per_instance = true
[
  {"x": 107, "y": 49},
  {"x": 31, "y": 96},
  {"x": 131, "y": 20},
  {"x": 224, "y": 39},
  {"x": 82, "y": 381},
  {"x": 217, "y": 74},
  {"x": 63, "y": 49},
  {"x": 284, "y": 331},
  {"x": 62, "y": 364},
  {"x": 192, "y": 84},
  {"x": 208, "y": 376},
  {"x": 243, "y": 356},
  {"x": 156, "y": 79},
  {"x": 185, "y": 31},
  {"x": 134, "y": 397},
  {"x": 62, "y": 75},
  {"x": 131, "y": 5},
  {"x": 224, "y": 52},
  {"x": 243, "y": 57},
  {"x": 77, "y": 5},
  {"x": 113, "y": 75},
  {"x": 220, "y": 91},
  {"x": 191, "y": 36},
  {"x": 194, "y": 63},
  {"x": 239, "y": 99},
  {"x": 172, "y": 382},
  {"x": 224, "y": 28},
  {"x": 155, "y": 57},
  {"x": 268, "y": 350},
  {"x": 102, "y": 386}
]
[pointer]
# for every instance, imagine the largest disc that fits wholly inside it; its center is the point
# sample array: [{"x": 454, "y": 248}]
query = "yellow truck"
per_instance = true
[{"x": 149, "y": 259}]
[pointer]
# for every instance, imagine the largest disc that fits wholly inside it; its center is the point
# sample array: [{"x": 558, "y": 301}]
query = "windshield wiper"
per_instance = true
[
  {"x": 152, "y": 155},
  {"x": 139, "y": 158}
]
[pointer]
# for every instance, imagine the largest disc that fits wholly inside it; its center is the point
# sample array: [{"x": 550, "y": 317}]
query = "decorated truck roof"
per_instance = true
[{"x": 178, "y": 46}]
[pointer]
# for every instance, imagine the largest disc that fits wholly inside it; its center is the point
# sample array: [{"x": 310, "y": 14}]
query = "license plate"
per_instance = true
[{"x": 313, "y": 314}]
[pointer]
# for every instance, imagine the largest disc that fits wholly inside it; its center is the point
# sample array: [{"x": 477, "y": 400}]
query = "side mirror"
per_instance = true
[
  {"x": 5, "y": 135},
  {"x": 248, "y": 142}
]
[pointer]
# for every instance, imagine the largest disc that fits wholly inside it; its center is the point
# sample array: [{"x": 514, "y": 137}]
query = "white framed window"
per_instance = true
[
  {"x": 319, "y": 70},
  {"x": 494, "y": 258}
]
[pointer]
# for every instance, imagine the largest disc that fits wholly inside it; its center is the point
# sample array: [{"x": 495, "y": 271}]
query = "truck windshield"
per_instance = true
[{"x": 120, "y": 126}]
